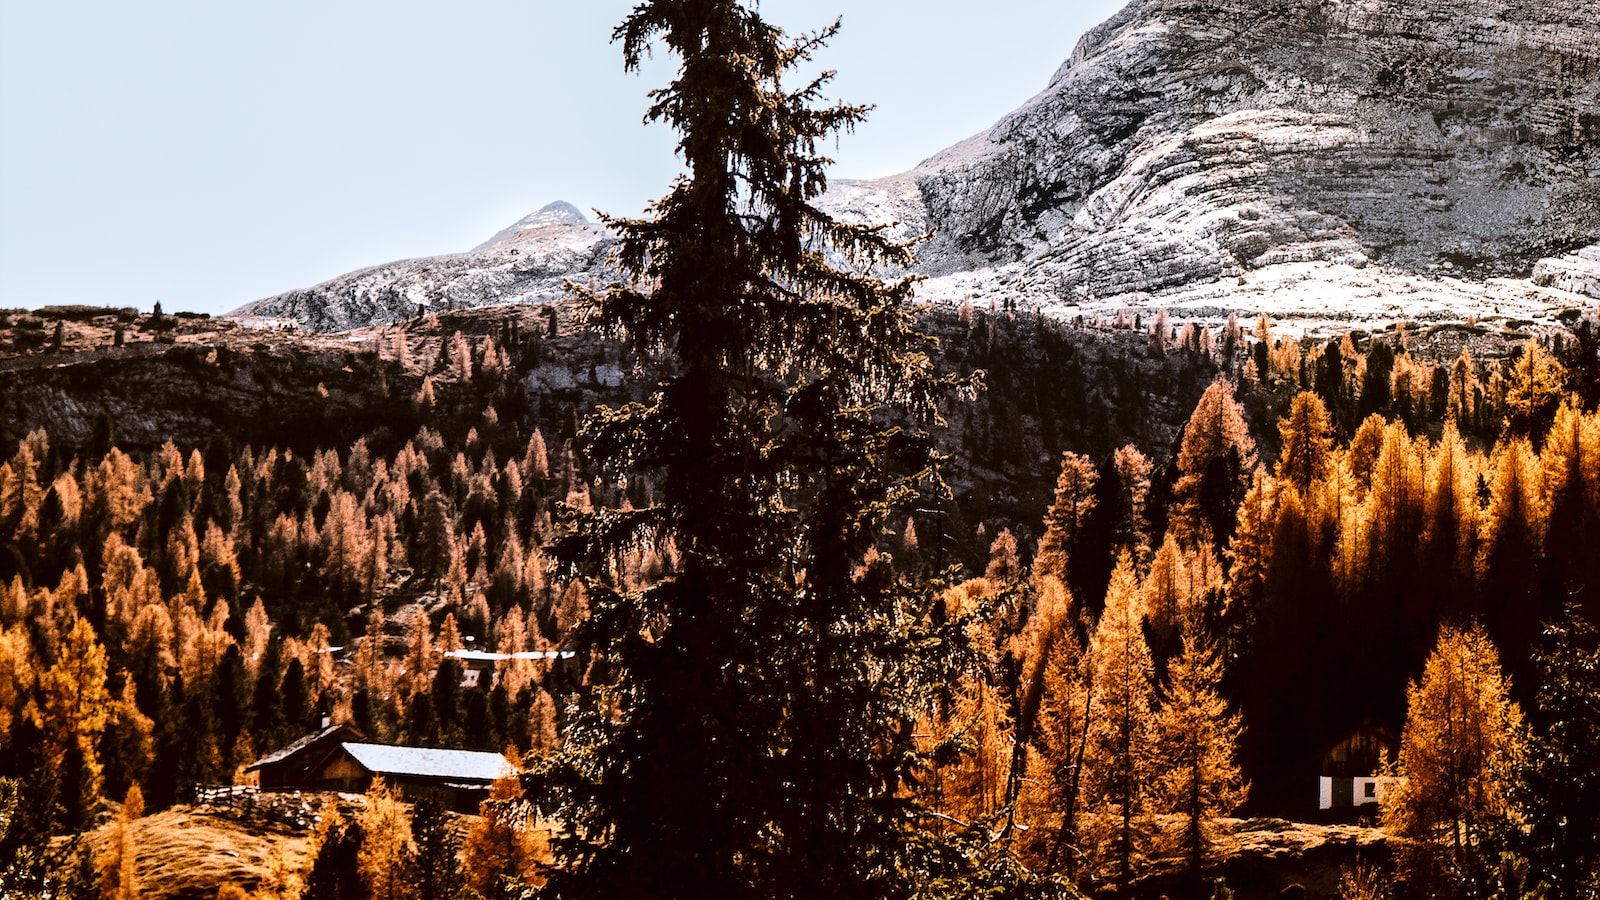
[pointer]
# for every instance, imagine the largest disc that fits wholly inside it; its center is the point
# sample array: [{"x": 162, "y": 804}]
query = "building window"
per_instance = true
[{"x": 1372, "y": 789}]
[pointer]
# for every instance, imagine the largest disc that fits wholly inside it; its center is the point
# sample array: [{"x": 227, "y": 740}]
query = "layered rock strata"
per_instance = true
[
  {"x": 1336, "y": 160},
  {"x": 1332, "y": 161}
]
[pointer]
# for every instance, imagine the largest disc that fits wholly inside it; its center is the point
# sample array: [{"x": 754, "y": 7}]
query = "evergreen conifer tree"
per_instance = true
[
  {"x": 34, "y": 862},
  {"x": 1562, "y": 779},
  {"x": 752, "y": 734},
  {"x": 435, "y": 870},
  {"x": 333, "y": 858}
]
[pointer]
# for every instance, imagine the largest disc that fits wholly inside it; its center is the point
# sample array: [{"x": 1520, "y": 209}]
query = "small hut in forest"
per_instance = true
[
  {"x": 336, "y": 760},
  {"x": 1352, "y": 770}
]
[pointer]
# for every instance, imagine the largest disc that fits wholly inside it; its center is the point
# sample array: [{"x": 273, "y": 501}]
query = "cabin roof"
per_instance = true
[
  {"x": 429, "y": 762},
  {"x": 303, "y": 743}
]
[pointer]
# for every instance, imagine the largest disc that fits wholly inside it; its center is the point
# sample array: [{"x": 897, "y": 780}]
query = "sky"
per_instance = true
[{"x": 207, "y": 154}]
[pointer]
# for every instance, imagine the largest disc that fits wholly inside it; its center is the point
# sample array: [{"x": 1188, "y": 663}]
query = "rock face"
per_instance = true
[
  {"x": 1341, "y": 160},
  {"x": 525, "y": 263},
  {"x": 554, "y": 214},
  {"x": 1384, "y": 157}
]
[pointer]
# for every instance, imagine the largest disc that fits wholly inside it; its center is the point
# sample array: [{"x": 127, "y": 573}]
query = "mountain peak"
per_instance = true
[
  {"x": 1324, "y": 162},
  {"x": 527, "y": 262},
  {"x": 559, "y": 212}
]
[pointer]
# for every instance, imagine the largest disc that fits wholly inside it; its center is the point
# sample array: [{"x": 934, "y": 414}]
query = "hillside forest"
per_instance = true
[{"x": 1324, "y": 523}]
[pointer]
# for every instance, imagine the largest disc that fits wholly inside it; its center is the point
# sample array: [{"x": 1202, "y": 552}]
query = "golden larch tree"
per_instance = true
[
  {"x": 130, "y": 740},
  {"x": 1459, "y": 756},
  {"x": 1250, "y": 552},
  {"x": 1307, "y": 434},
  {"x": 969, "y": 732},
  {"x": 511, "y": 635},
  {"x": 1449, "y": 547},
  {"x": 18, "y": 674},
  {"x": 1164, "y": 587},
  {"x": 1511, "y": 556},
  {"x": 386, "y": 845},
  {"x": 1571, "y": 466},
  {"x": 1215, "y": 434},
  {"x": 371, "y": 664},
  {"x": 449, "y": 635},
  {"x": 419, "y": 654},
  {"x": 1199, "y": 740},
  {"x": 1533, "y": 392},
  {"x": 119, "y": 860},
  {"x": 1133, "y": 476},
  {"x": 1074, "y": 500},
  {"x": 1398, "y": 500},
  {"x": 1120, "y": 757},
  {"x": 1362, "y": 454},
  {"x": 502, "y": 842},
  {"x": 1461, "y": 402},
  {"x": 1066, "y": 709},
  {"x": 1033, "y": 646},
  {"x": 74, "y": 703},
  {"x": 346, "y": 547}
]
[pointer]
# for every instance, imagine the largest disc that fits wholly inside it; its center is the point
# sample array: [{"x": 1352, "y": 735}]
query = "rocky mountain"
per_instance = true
[
  {"x": 1316, "y": 158},
  {"x": 552, "y": 215},
  {"x": 525, "y": 263},
  {"x": 1327, "y": 161}
]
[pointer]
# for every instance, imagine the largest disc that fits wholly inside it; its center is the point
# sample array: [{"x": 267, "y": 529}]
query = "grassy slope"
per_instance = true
[
  {"x": 1261, "y": 857},
  {"x": 188, "y": 852}
]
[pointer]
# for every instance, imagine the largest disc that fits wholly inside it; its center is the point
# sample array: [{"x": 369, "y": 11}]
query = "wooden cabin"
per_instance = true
[
  {"x": 331, "y": 761},
  {"x": 292, "y": 767},
  {"x": 1352, "y": 770}
]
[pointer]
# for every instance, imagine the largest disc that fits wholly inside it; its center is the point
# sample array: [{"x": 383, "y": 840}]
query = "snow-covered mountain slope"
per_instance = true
[
  {"x": 1313, "y": 158},
  {"x": 553, "y": 214},
  {"x": 525, "y": 263},
  {"x": 1332, "y": 161}
]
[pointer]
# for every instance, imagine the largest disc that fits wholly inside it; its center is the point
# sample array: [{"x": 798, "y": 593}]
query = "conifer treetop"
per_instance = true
[{"x": 751, "y": 730}]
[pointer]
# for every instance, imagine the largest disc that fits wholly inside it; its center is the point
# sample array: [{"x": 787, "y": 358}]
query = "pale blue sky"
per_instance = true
[{"x": 206, "y": 153}]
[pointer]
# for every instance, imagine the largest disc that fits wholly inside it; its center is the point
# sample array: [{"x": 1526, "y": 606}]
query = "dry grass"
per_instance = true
[
  {"x": 1265, "y": 856},
  {"x": 1279, "y": 837},
  {"x": 1260, "y": 858},
  {"x": 186, "y": 852},
  {"x": 190, "y": 853}
]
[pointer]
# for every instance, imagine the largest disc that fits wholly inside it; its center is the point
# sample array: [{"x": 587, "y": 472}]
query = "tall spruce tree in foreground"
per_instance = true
[{"x": 751, "y": 734}]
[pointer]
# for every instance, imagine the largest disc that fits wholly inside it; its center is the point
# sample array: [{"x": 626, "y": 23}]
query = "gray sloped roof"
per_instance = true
[
  {"x": 427, "y": 762},
  {"x": 301, "y": 744}
]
